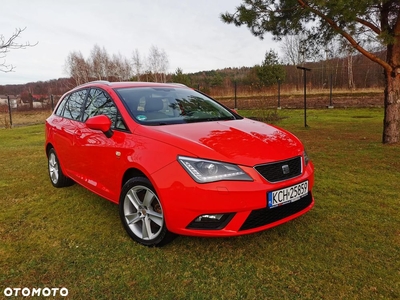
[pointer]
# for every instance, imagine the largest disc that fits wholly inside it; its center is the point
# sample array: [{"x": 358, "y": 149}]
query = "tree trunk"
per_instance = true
[
  {"x": 350, "y": 75},
  {"x": 391, "y": 122}
]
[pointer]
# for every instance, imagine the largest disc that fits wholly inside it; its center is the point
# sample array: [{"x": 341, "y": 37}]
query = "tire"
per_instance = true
[
  {"x": 142, "y": 215},
  {"x": 57, "y": 177}
]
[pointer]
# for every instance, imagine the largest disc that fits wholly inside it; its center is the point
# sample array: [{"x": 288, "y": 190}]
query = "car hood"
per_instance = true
[{"x": 244, "y": 141}]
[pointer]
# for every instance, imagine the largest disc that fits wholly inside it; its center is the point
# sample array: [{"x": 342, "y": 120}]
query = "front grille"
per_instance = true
[
  {"x": 275, "y": 172},
  {"x": 265, "y": 216}
]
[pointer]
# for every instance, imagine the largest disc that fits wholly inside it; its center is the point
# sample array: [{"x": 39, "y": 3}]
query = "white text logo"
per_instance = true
[{"x": 33, "y": 292}]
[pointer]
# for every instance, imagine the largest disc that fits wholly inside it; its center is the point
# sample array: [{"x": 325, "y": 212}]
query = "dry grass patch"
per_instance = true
[{"x": 22, "y": 118}]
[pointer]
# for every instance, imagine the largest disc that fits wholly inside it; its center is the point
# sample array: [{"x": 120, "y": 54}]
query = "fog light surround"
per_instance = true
[
  {"x": 209, "y": 218},
  {"x": 211, "y": 221}
]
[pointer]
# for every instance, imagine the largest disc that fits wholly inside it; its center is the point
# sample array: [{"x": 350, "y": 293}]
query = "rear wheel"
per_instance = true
[
  {"x": 57, "y": 177},
  {"x": 142, "y": 214}
]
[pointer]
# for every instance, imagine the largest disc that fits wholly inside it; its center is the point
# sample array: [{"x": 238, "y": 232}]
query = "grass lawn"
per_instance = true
[{"x": 346, "y": 247}]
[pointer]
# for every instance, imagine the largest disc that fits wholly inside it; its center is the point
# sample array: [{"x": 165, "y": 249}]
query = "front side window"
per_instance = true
[
  {"x": 73, "y": 105},
  {"x": 100, "y": 103},
  {"x": 161, "y": 106}
]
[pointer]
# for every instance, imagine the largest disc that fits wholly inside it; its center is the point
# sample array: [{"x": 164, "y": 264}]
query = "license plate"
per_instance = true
[{"x": 287, "y": 195}]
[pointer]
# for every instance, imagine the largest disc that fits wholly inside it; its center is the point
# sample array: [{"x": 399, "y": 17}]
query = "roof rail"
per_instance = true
[
  {"x": 178, "y": 84},
  {"x": 101, "y": 81},
  {"x": 91, "y": 82}
]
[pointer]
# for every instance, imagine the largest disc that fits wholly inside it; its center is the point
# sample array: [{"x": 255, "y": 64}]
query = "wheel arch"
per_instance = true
[
  {"x": 48, "y": 147},
  {"x": 130, "y": 173}
]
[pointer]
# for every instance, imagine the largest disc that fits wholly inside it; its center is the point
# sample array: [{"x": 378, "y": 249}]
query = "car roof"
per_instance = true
[{"x": 126, "y": 84}]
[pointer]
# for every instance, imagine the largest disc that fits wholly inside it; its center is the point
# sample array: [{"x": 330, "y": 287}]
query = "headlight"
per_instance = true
[
  {"x": 306, "y": 158},
  {"x": 203, "y": 171}
]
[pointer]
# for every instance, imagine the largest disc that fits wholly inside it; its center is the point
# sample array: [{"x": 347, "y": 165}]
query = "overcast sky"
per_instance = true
[{"x": 190, "y": 32}]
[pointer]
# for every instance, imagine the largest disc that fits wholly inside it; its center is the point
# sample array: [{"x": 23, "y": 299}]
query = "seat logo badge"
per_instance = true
[{"x": 285, "y": 169}]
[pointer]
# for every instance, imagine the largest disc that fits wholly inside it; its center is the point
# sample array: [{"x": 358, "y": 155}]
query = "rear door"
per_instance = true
[{"x": 66, "y": 124}]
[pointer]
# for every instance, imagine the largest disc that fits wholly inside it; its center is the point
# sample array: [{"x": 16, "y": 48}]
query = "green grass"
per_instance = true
[{"x": 346, "y": 247}]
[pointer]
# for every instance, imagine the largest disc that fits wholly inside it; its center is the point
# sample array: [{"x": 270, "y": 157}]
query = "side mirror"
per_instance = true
[{"x": 102, "y": 123}]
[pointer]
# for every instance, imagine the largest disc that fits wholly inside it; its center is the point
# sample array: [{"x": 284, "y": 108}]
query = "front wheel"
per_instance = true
[{"x": 142, "y": 214}]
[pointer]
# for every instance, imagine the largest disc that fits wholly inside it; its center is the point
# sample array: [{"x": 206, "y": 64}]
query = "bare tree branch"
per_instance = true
[
  {"x": 7, "y": 44},
  {"x": 138, "y": 63},
  {"x": 158, "y": 64}
]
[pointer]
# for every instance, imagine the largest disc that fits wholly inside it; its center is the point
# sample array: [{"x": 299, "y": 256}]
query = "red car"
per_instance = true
[{"x": 176, "y": 161}]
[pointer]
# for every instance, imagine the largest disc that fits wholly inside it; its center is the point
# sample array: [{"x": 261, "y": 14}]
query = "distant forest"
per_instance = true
[{"x": 352, "y": 72}]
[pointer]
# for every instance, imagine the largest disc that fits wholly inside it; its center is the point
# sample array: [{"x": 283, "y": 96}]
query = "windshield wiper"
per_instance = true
[{"x": 210, "y": 119}]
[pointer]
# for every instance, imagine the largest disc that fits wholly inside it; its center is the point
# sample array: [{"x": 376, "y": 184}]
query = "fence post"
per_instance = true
[
  {"x": 305, "y": 93},
  {"x": 235, "y": 94},
  {"x": 330, "y": 94},
  {"x": 279, "y": 93},
  {"x": 30, "y": 101},
  {"x": 52, "y": 102},
  {"x": 9, "y": 110}
]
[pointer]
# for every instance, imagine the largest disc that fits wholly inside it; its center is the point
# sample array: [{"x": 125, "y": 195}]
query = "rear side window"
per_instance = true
[
  {"x": 60, "y": 107},
  {"x": 71, "y": 106}
]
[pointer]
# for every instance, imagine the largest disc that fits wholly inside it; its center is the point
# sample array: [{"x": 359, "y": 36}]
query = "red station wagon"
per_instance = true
[{"x": 176, "y": 161}]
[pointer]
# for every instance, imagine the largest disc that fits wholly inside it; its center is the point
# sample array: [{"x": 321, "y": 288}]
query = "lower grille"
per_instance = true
[{"x": 265, "y": 216}]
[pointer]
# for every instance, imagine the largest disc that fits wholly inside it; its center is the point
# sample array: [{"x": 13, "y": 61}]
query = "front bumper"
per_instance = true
[{"x": 243, "y": 205}]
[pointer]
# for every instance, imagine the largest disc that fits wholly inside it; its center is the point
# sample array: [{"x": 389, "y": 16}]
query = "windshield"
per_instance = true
[{"x": 162, "y": 106}]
